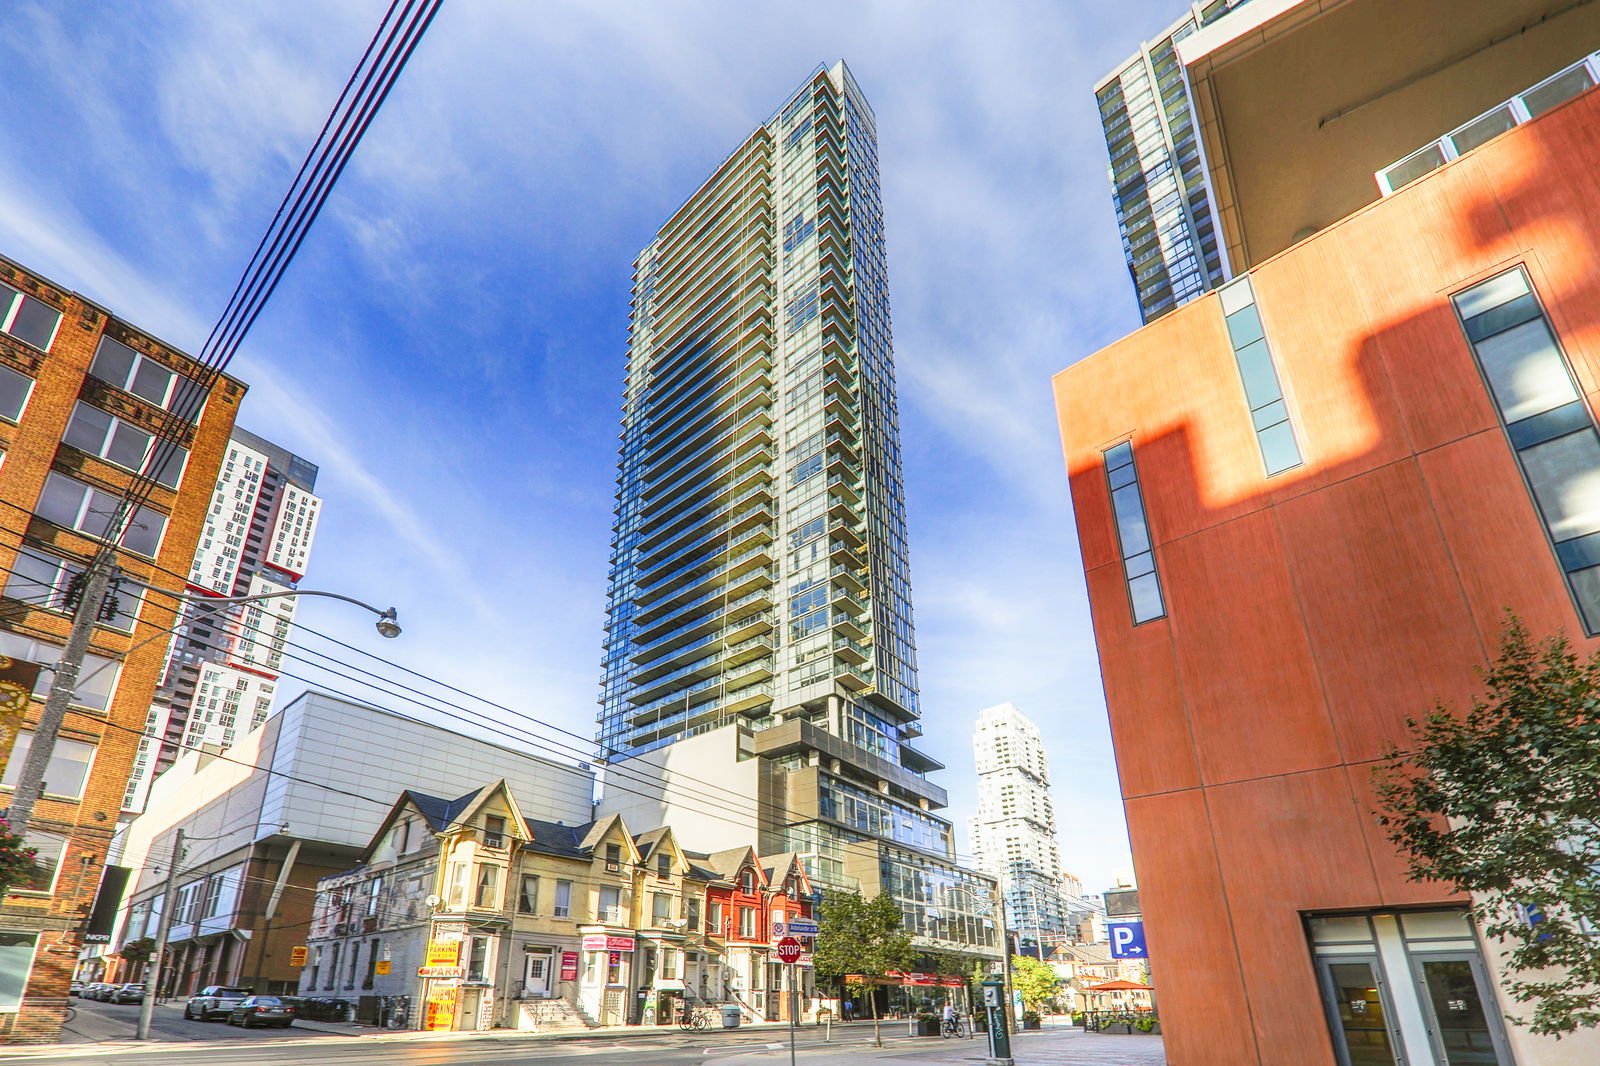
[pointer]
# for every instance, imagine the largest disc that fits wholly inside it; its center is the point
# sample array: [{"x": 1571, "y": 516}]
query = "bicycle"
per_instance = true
[
  {"x": 697, "y": 1019},
  {"x": 953, "y": 1026}
]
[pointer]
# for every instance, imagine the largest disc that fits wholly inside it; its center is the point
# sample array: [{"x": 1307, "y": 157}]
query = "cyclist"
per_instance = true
[{"x": 952, "y": 1021}]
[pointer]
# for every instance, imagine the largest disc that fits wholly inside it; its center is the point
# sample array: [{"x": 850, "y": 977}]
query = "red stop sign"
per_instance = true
[{"x": 789, "y": 949}]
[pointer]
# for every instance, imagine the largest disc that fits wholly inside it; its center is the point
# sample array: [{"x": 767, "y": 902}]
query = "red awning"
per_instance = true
[{"x": 1120, "y": 986}]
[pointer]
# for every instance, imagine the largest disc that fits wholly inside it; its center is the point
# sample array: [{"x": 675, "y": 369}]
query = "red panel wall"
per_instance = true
[{"x": 1309, "y": 614}]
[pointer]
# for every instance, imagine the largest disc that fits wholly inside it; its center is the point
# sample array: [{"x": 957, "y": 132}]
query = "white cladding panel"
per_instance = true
[
  {"x": 289, "y": 546},
  {"x": 216, "y": 558}
]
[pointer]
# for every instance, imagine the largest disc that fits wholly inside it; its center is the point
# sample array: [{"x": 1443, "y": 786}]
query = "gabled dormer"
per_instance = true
[
  {"x": 478, "y": 833},
  {"x": 615, "y": 858}
]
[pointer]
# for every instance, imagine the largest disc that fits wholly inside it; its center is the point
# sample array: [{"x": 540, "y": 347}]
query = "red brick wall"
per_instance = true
[{"x": 32, "y": 448}]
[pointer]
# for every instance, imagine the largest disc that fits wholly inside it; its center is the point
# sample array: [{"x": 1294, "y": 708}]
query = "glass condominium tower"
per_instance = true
[
  {"x": 1158, "y": 173},
  {"x": 759, "y": 612}
]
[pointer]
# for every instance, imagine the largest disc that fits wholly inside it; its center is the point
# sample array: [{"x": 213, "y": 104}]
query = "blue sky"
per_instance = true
[{"x": 449, "y": 344}]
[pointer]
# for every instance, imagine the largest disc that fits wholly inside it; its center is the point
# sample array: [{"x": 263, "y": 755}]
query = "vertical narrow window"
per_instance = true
[
  {"x": 1550, "y": 427},
  {"x": 1269, "y": 415},
  {"x": 1133, "y": 534}
]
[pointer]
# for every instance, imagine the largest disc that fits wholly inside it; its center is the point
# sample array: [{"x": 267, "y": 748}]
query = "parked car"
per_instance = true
[
  {"x": 97, "y": 991},
  {"x": 75, "y": 989},
  {"x": 130, "y": 993},
  {"x": 262, "y": 1010},
  {"x": 215, "y": 1001}
]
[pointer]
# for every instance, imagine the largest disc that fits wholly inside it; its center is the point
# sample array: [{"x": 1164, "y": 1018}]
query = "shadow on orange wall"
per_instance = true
[{"x": 1310, "y": 614}]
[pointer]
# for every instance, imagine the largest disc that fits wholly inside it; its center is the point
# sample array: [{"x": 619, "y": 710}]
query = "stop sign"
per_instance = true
[{"x": 789, "y": 950}]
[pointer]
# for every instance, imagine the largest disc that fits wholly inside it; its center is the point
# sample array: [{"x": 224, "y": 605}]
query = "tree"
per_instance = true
[
  {"x": 1503, "y": 803},
  {"x": 16, "y": 858},
  {"x": 138, "y": 952},
  {"x": 1035, "y": 981},
  {"x": 861, "y": 939}
]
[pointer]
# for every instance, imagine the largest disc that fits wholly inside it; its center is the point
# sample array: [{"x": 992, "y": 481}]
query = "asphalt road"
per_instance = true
[{"x": 217, "y": 1044}]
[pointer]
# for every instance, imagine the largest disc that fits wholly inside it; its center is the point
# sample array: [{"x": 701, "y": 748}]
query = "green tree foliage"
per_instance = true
[
  {"x": 1503, "y": 802},
  {"x": 137, "y": 951},
  {"x": 16, "y": 858},
  {"x": 861, "y": 938},
  {"x": 1036, "y": 982}
]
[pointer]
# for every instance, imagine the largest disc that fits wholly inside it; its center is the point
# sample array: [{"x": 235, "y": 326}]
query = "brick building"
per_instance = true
[
  {"x": 1305, "y": 501},
  {"x": 83, "y": 397}
]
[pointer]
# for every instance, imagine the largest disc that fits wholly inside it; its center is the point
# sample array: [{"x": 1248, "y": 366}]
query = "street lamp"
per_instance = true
[{"x": 30, "y": 780}]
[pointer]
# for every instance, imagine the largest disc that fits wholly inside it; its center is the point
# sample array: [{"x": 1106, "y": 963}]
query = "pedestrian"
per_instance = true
[{"x": 849, "y": 1010}]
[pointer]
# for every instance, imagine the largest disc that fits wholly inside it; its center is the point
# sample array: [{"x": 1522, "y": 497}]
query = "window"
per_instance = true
[
  {"x": 372, "y": 965},
  {"x": 42, "y": 580},
  {"x": 660, "y": 909},
  {"x": 98, "y": 433},
  {"x": 669, "y": 964},
  {"x": 664, "y": 867},
  {"x": 691, "y": 911},
  {"x": 613, "y": 857},
  {"x": 1133, "y": 535},
  {"x": 456, "y": 893},
  {"x": 96, "y": 680},
  {"x": 1549, "y": 426},
  {"x": 15, "y": 389},
  {"x": 117, "y": 364},
  {"x": 16, "y": 963},
  {"x": 1269, "y": 414},
  {"x": 69, "y": 502},
  {"x": 316, "y": 968},
  {"x": 563, "y": 904},
  {"x": 374, "y": 896},
  {"x": 714, "y": 925},
  {"x": 354, "y": 964},
  {"x": 49, "y": 850},
  {"x": 528, "y": 896},
  {"x": 488, "y": 887},
  {"x": 747, "y": 880},
  {"x": 28, "y": 319},
  {"x": 747, "y": 922},
  {"x": 64, "y": 774},
  {"x": 494, "y": 832},
  {"x": 478, "y": 959},
  {"x": 610, "y": 900},
  {"x": 333, "y": 967}
]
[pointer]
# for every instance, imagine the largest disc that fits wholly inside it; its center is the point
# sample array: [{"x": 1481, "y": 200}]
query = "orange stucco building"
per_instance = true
[{"x": 1304, "y": 503}]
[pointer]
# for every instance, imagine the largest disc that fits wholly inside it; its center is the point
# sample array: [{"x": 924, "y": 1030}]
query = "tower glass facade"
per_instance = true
[
  {"x": 760, "y": 551},
  {"x": 759, "y": 585},
  {"x": 1158, "y": 174},
  {"x": 1014, "y": 831}
]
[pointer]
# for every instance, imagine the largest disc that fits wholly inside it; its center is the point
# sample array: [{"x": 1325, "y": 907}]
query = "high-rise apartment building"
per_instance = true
[
  {"x": 1158, "y": 172},
  {"x": 1306, "y": 501},
  {"x": 759, "y": 661},
  {"x": 222, "y": 674},
  {"x": 84, "y": 400},
  {"x": 1014, "y": 831}
]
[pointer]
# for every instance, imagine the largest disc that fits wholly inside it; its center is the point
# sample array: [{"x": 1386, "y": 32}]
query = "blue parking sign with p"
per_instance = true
[{"x": 1127, "y": 940}]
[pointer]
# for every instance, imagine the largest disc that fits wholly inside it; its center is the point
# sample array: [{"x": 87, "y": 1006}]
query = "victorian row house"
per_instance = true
[{"x": 466, "y": 914}]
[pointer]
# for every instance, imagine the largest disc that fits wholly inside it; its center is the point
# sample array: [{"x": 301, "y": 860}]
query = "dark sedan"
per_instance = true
[{"x": 263, "y": 1010}]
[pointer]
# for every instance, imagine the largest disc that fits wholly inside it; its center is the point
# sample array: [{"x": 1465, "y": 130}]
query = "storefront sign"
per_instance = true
[
  {"x": 297, "y": 956},
  {"x": 603, "y": 942},
  {"x": 443, "y": 953},
  {"x": 441, "y": 971},
  {"x": 569, "y": 965},
  {"x": 440, "y": 1009}
]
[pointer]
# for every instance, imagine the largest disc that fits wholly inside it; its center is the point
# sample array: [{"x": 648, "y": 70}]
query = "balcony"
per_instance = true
[{"x": 796, "y": 735}]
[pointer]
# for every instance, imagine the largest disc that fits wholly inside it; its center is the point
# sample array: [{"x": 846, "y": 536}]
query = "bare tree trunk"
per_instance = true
[{"x": 877, "y": 1033}]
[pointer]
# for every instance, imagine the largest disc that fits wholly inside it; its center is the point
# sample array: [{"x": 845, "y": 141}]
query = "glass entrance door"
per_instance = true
[
  {"x": 1363, "y": 1033},
  {"x": 1455, "y": 993}
]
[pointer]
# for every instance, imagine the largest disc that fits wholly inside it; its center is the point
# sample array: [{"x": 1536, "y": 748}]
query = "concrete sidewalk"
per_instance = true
[{"x": 1048, "y": 1047}]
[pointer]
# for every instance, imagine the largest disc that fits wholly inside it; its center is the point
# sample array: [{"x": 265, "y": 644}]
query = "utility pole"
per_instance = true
[
  {"x": 30, "y": 781},
  {"x": 152, "y": 978}
]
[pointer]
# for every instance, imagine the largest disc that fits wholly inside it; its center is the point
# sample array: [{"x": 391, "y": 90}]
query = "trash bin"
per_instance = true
[{"x": 730, "y": 1017}]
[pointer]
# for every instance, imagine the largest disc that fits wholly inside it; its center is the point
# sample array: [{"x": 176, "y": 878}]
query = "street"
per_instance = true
[{"x": 185, "y": 1043}]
